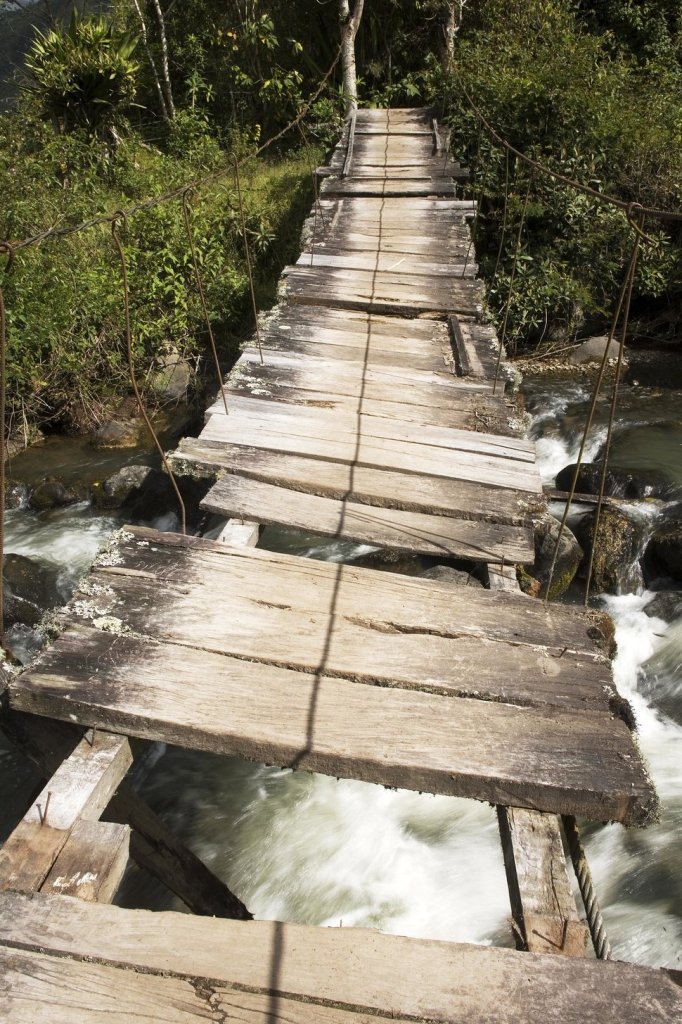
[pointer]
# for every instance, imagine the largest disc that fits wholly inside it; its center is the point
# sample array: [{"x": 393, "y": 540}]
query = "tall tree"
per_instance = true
[{"x": 350, "y": 23}]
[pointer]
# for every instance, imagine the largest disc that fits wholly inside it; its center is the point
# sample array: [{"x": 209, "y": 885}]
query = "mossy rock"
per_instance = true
[
  {"x": 615, "y": 549},
  {"x": 569, "y": 557}
]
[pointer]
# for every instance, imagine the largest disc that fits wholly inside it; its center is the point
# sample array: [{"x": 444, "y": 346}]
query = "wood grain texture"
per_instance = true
[
  {"x": 91, "y": 863},
  {"x": 398, "y": 530},
  {"x": 382, "y": 488},
  {"x": 80, "y": 789},
  {"x": 348, "y": 969},
  {"x": 569, "y": 754},
  {"x": 542, "y": 901}
]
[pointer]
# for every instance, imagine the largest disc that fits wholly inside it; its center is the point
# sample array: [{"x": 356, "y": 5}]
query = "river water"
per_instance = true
[{"x": 308, "y": 848}]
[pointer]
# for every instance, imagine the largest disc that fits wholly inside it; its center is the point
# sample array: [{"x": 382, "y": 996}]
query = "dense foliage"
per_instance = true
[{"x": 593, "y": 91}]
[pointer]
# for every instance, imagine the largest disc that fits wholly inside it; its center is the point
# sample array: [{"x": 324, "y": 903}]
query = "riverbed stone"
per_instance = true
[
  {"x": 534, "y": 579},
  {"x": 120, "y": 488},
  {"x": 51, "y": 493},
  {"x": 16, "y": 494},
  {"x": 616, "y": 548},
  {"x": 666, "y": 605}
]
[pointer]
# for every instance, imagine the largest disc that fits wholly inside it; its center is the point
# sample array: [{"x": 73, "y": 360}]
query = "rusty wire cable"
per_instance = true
[
  {"x": 9, "y": 251},
  {"x": 247, "y": 255},
  {"x": 121, "y": 216},
  {"x": 316, "y": 191},
  {"x": 590, "y": 417},
  {"x": 595, "y": 920},
  {"x": 187, "y": 217},
  {"x": 632, "y": 269},
  {"x": 517, "y": 250},
  {"x": 504, "y": 221},
  {"x": 474, "y": 228}
]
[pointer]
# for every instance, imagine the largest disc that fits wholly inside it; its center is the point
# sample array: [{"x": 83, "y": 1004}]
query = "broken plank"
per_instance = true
[
  {"x": 91, "y": 863},
  {"x": 390, "y": 528},
  {"x": 542, "y": 901},
  {"x": 561, "y": 761},
  {"x": 352, "y": 968}
]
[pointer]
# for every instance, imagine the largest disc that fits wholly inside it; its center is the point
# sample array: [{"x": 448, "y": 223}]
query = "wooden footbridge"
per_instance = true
[{"x": 368, "y": 414}]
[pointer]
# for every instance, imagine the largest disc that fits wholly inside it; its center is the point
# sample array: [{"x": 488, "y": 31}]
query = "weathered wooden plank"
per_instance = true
[
  {"x": 327, "y": 374},
  {"x": 377, "y": 352},
  {"x": 240, "y": 533},
  {"x": 383, "y": 488},
  {"x": 294, "y": 438},
  {"x": 352, "y": 968},
  {"x": 417, "y": 265},
  {"x": 543, "y": 906},
  {"x": 362, "y": 238},
  {"x": 306, "y": 322},
  {"x": 80, "y": 788},
  {"x": 390, "y": 528},
  {"x": 561, "y": 760},
  {"x": 382, "y": 292},
  {"x": 91, "y": 863},
  {"x": 405, "y": 603},
  {"x": 372, "y": 424},
  {"x": 39, "y": 989},
  {"x": 388, "y": 187}
]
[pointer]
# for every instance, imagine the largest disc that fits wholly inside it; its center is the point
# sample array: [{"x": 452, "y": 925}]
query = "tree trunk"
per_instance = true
[
  {"x": 155, "y": 73},
  {"x": 164, "y": 58},
  {"x": 350, "y": 22},
  {"x": 453, "y": 20}
]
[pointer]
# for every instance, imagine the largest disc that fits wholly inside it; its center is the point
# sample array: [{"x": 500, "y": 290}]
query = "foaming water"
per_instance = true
[
  {"x": 637, "y": 872},
  {"x": 303, "y": 847}
]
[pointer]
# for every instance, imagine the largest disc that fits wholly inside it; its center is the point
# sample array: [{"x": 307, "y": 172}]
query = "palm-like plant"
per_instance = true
[{"x": 84, "y": 75}]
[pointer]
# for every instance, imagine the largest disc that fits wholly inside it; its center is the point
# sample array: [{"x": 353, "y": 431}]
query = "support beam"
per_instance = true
[
  {"x": 91, "y": 863},
  {"x": 152, "y": 844},
  {"x": 80, "y": 789},
  {"x": 544, "y": 911}
]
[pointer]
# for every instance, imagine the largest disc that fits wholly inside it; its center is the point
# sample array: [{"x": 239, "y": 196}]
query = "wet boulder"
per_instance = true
[
  {"x": 31, "y": 587},
  {"x": 51, "y": 493},
  {"x": 619, "y": 483},
  {"x": 660, "y": 679},
  {"x": 16, "y": 494},
  {"x": 616, "y": 548},
  {"x": 534, "y": 578},
  {"x": 121, "y": 488},
  {"x": 663, "y": 555},
  {"x": 666, "y": 605}
]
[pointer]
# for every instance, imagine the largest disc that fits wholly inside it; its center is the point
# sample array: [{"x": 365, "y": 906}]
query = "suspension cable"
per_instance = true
[
  {"x": 247, "y": 256},
  {"x": 200, "y": 288},
  {"x": 8, "y": 250},
  {"x": 595, "y": 920},
  {"x": 121, "y": 216},
  {"x": 517, "y": 250}
]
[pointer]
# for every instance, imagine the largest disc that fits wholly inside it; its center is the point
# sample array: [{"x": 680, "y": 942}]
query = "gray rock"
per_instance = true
[
  {"x": 16, "y": 494},
  {"x": 120, "y": 488},
  {"x": 619, "y": 483},
  {"x": 569, "y": 556},
  {"x": 446, "y": 574},
  {"x": 51, "y": 494},
  {"x": 592, "y": 351}
]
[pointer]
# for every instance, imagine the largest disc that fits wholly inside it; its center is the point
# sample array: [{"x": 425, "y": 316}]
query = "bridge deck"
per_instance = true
[{"x": 372, "y": 417}]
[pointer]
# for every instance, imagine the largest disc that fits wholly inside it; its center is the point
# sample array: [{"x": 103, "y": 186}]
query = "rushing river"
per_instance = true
[{"x": 309, "y": 848}]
